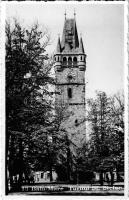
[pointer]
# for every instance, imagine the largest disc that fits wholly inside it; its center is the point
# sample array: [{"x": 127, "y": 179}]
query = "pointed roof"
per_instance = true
[
  {"x": 58, "y": 48},
  {"x": 81, "y": 47},
  {"x": 70, "y": 42},
  {"x": 70, "y": 34}
]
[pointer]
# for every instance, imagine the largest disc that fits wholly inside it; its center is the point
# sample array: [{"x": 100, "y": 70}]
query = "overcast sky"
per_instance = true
[{"x": 102, "y": 28}]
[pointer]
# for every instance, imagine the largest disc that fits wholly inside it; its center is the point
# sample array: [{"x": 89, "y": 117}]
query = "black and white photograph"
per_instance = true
[
  {"x": 64, "y": 99},
  {"x": 67, "y": 0}
]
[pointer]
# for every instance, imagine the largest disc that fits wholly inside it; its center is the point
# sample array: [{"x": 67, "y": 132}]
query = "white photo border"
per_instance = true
[{"x": 2, "y": 100}]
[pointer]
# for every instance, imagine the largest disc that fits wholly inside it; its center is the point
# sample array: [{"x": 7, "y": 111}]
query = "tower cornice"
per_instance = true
[{"x": 70, "y": 54}]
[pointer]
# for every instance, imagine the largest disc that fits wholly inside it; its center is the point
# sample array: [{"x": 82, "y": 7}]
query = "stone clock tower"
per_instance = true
[{"x": 70, "y": 66}]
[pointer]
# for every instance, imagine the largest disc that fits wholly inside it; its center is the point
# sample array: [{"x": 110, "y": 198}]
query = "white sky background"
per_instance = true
[{"x": 102, "y": 28}]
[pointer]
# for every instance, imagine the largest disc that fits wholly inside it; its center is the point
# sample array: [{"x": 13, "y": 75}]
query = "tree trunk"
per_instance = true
[
  {"x": 51, "y": 178},
  {"x": 9, "y": 162},
  {"x": 21, "y": 164},
  {"x": 68, "y": 164},
  {"x": 6, "y": 164},
  {"x": 101, "y": 178},
  {"x": 117, "y": 174},
  {"x": 77, "y": 175},
  {"x": 112, "y": 178}
]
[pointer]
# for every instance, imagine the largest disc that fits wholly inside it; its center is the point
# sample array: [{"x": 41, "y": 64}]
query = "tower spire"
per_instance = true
[
  {"x": 58, "y": 49},
  {"x": 70, "y": 35},
  {"x": 81, "y": 47}
]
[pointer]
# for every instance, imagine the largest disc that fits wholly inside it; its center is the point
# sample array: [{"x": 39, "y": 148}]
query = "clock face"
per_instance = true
[{"x": 71, "y": 76}]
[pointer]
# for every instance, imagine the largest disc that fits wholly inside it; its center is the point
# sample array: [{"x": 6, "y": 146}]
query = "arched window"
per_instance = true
[
  {"x": 76, "y": 122},
  {"x": 75, "y": 60},
  {"x": 55, "y": 58},
  {"x": 69, "y": 61},
  {"x": 64, "y": 61},
  {"x": 81, "y": 57},
  {"x": 70, "y": 93}
]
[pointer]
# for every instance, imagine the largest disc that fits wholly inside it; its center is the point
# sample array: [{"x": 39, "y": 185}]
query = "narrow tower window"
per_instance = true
[
  {"x": 69, "y": 61},
  {"x": 76, "y": 122},
  {"x": 64, "y": 61},
  {"x": 69, "y": 92},
  {"x": 75, "y": 61}
]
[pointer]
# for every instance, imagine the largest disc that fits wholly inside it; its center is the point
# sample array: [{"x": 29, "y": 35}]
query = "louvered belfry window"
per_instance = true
[{"x": 69, "y": 61}]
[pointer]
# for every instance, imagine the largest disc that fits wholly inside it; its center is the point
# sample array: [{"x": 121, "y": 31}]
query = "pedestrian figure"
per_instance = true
[{"x": 107, "y": 179}]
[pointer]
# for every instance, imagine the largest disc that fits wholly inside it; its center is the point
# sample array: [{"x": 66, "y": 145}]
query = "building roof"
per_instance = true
[
  {"x": 81, "y": 47},
  {"x": 58, "y": 48},
  {"x": 70, "y": 35},
  {"x": 70, "y": 42}
]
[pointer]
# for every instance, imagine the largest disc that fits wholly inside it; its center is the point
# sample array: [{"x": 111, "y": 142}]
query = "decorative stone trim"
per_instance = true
[
  {"x": 70, "y": 83},
  {"x": 77, "y": 103}
]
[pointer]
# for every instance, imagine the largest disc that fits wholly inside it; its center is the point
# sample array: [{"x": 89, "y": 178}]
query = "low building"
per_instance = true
[{"x": 44, "y": 176}]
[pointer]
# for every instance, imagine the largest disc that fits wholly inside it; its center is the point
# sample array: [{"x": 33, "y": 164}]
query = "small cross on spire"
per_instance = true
[
  {"x": 65, "y": 14},
  {"x": 74, "y": 14}
]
